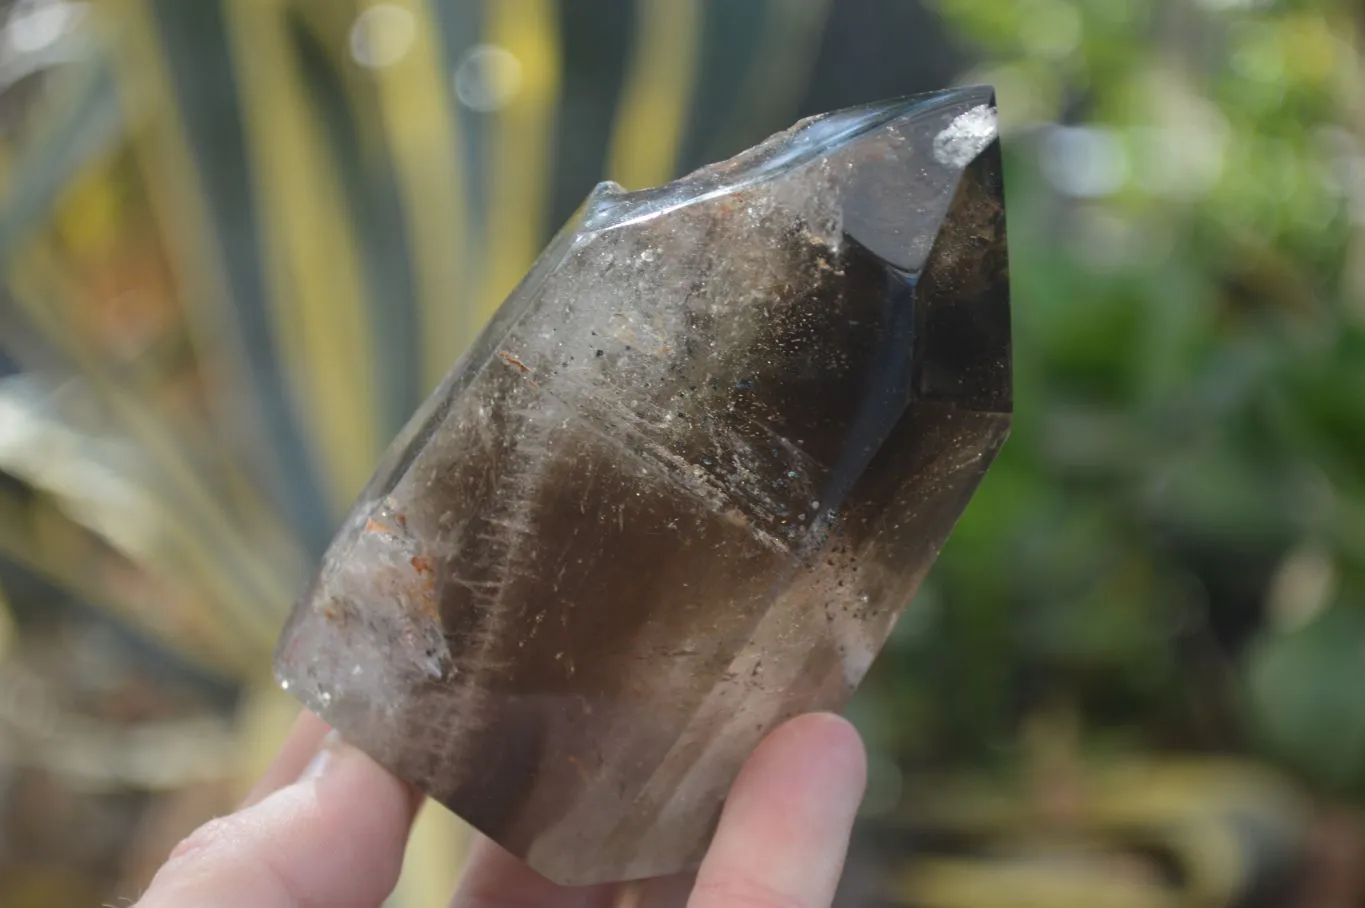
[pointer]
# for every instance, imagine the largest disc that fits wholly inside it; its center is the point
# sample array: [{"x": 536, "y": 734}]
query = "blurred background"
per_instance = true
[{"x": 240, "y": 240}]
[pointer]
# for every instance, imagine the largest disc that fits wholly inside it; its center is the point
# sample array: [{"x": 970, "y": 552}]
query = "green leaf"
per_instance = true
[{"x": 1306, "y": 692}]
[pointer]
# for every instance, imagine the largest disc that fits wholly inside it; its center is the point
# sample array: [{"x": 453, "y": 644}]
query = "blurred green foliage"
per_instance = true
[{"x": 1173, "y": 541}]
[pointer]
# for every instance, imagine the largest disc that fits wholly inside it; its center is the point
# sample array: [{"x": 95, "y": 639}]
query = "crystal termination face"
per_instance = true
[{"x": 678, "y": 491}]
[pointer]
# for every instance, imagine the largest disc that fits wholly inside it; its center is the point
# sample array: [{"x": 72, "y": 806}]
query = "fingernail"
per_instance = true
[{"x": 329, "y": 749}]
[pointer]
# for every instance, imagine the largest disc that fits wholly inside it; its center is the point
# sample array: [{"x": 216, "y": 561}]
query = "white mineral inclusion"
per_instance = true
[{"x": 962, "y": 139}]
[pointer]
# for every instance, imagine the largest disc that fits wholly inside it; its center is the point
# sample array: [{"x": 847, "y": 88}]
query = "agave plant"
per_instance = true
[{"x": 240, "y": 240}]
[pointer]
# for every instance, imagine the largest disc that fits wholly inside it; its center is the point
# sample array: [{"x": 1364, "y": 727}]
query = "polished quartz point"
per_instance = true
[{"x": 679, "y": 489}]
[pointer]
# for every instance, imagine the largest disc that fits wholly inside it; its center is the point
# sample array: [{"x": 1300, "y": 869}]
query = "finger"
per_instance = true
[
  {"x": 299, "y": 747},
  {"x": 670, "y": 891},
  {"x": 785, "y": 828},
  {"x": 334, "y": 838},
  {"x": 493, "y": 878}
]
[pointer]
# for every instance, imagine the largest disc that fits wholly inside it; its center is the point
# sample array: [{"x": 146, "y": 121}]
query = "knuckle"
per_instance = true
[
  {"x": 209, "y": 839},
  {"x": 744, "y": 892},
  {"x": 221, "y": 853}
]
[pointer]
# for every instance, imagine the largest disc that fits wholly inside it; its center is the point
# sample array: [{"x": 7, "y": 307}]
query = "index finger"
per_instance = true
[{"x": 335, "y": 837}]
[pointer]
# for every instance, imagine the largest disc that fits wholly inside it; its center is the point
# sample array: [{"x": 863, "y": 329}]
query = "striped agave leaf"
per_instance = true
[
  {"x": 257, "y": 232},
  {"x": 241, "y": 239}
]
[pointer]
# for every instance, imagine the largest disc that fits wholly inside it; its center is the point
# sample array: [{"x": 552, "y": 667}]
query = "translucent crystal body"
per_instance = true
[{"x": 678, "y": 491}]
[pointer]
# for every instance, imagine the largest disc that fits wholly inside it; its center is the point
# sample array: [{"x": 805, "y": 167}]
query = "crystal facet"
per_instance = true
[{"x": 678, "y": 491}]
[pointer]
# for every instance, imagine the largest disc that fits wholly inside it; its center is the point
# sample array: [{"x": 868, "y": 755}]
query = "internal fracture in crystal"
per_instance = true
[{"x": 678, "y": 491}]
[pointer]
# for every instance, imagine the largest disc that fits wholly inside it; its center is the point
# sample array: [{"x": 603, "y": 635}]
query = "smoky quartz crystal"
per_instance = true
[{"x": 678, "y": 491}]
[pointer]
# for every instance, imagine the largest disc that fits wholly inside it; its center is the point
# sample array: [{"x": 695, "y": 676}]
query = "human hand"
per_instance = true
[{"x": 326, "y": 827}]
